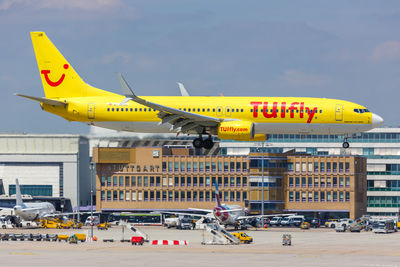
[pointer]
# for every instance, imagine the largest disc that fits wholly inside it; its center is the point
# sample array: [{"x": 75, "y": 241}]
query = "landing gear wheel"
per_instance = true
[
  {"x": 346, "y": 145},
  {"x": 208, "y": 143},
  {"x": 198, "y": 143}
]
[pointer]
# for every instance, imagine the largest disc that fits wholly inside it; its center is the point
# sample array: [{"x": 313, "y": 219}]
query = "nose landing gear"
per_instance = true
[{"x": 207, "y": 143}]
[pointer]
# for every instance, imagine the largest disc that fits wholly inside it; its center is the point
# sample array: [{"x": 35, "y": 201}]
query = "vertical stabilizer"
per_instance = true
[
  {"x": 217, "y": 194},
  {"x": 18, "y": 194}
]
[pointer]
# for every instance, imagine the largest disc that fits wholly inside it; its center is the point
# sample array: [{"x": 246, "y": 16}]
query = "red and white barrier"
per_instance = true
[{"x": 170, "y": 242}]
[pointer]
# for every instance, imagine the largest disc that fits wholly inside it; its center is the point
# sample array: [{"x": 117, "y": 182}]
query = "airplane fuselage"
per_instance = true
[
  {"x": 33, "y": 211},
  {"x": 292, "y": 115}
]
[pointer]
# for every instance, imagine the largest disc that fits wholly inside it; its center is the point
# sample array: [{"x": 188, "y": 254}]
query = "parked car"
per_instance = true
[
  {"x": 296, "y": 220},
  {"x": 275, "y": 221}
]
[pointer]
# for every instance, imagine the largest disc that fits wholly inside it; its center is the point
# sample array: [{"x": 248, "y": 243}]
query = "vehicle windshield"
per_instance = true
[
  {"x": 379, "y": 225},
  {"x": 285, "y": 219}
]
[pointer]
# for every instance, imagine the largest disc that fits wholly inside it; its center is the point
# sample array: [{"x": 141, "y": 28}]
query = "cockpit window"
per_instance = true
[{"x": 361, "y": 110}]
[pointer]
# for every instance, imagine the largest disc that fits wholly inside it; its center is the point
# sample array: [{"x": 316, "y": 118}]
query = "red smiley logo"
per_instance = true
[{"x": 51, "y": 83}]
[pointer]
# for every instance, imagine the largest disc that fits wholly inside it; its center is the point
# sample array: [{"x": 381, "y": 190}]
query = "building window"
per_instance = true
[
  {"x": 194, "y": 195},
  {"x": 145, "y": 181},
  {"x": 158, "y": 180},
  {"x": 303, "y": 167},
  {"x": 238, "y": 181},
  {"x": 121, "y": 181},
  {"x": 334, "y": 181},
  {"x": 244, "y": 196},
  {"x": 232, "y": 183},
  {"x": 290, "y": 181},
  {"x": 188, "y": 196},
  {"x": 139, "y": 181},
  {"x": 297, "y": 196},
  {"x": 188, "y": 166},
  {"x": 115, "y": 195},
  {"x": 207, "y": 166},
  {"x": 347, "y": 181},
  {"x": 195, "y": 166},
  {"x": 226, "y": 196},
  {"x": 316, "y": 182},
  {"x": 176, "y": 166},
  {"x": 182, "y": 166},
  {"x": 103, "y": 196},
  {"x": 140, "y": 196},
  {"x": 347, "y": 196},
  {"x": 335, "y": 196},
  {"x": 310, "y": 168},
  {"x": 290, "y": 167},
  {"x": 316, "y": 197},
  {"x": 164, "y": 166},
  {"x": 328, "y": 196},
  {"x": 322, "y": 182},
  {"x": 108, "y": 180},
  {"x": 213, "y": 166},
  {"x": 297, "y": 181},
  {"x": 341, "y": 196},
  {"x": 309, "y": 181},
  {"x": 176, "y": 181},
  {"x": 244, "y": 182},
  {"x": 183, "y": 196},
  {"x": 201, "y": 196},
  {"x": 133, "y": 195},
  {"x": 201, "y": 181},
  {"x": 170, "y": 166},
  {"x": 315, "y": 166},
  {"x": 297, "y": 166},
  {"x": 232, "y": 167},
  {"x": 182, "y": 181},
  {"x": 303, "y": 182},
  {"x": 170, "y": 181},
  {"x": 127, "y": 179},
  {"x": 225, "y": 181},
  {"x": 208, "y": 181},
  {"x": 108, "y": 195},
  {"x": 290, "y": 196},
  {"x": 347, "y": 164},
  {"x": 341, "y": 182},
  {"x": 115, "y": 181},
  {"x": 189, "y": 181},
  {"x": 340, "y": 166},
  {"x": 322, "y": 195},
  {"x": 121, "y": 195},
  {"x": 303, "y": 196},
  {"x": 127, "y": 195},
  {"x": 225, "y": 166},
  {"x": 176, "y": 196},
  {"x": 309, "y": 196},
  {"x": 219, "y": 166},
  {"x": 158, "y": 195},
  {"x": 328, "y": 167},
  {"x": 103, "y": 180},
  {"x": 335, "y": 167},
  {"x": 328, "y": 182},
  {"x": 195, "y": 178},
  {"x": 322, "y": 167},
  {"x": 164, "y": 196},
  {"x": 201, "y": 166}
]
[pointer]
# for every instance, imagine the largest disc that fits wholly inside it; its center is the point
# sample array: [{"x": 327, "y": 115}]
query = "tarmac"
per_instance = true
[{"x": 313, "y": 247}]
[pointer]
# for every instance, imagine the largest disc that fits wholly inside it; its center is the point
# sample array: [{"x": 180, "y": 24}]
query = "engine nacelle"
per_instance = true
[{"x": 236, "y": 130}]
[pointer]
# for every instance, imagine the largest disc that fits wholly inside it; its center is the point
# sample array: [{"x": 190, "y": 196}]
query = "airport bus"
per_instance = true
[{"x": 136, "y": 218}]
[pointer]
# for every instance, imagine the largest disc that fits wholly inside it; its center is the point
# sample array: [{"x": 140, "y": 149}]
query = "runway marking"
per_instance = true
[{"x": 23, "y": 253}]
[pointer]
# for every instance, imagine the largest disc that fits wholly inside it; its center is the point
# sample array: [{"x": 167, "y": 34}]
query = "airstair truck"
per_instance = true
[{"x": 383, "y": 226}]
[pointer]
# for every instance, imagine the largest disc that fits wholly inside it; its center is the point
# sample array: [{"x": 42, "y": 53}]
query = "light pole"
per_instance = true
[
  {"x": 91, "y": 198},
  {"x": 262, "y": 178}
]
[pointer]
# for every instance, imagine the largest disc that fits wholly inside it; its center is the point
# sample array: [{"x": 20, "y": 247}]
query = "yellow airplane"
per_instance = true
[{"x": 235, "y": 118}]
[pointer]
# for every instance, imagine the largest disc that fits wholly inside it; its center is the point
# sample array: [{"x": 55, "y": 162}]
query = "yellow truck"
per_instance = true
[
  {"x": 243, "y": 237},
  {"x": 103, "y": 226}
]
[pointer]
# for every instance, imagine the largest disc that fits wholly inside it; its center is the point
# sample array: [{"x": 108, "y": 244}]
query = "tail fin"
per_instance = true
[
  {"x": 18, "y": 193},
  {"x": 59, "y": 79},
  {"x": 217, "y": 194}
]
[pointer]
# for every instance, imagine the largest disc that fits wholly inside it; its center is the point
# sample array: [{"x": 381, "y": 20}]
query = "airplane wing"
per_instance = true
[
  {"x": 189, "y": 214},
  {"x": 204, "y": 210},
  {"x": 180, "y": 120},
  {"x": 44, "y": 100}
]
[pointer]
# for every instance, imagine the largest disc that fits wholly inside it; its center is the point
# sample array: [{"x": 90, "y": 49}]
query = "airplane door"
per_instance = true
[
  {"x": 219, "y": 111},
  {"x": 339, "y": 112},
  {"x": 90, "y": 112},
  {"x": 228, "y": 111}
]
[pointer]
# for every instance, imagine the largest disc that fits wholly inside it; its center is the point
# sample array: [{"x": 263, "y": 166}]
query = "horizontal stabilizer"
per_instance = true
[{"x": 44, "y": 100}]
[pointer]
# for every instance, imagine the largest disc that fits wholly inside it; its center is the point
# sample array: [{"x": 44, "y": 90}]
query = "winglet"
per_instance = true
[
  {"x": 183, "y": 90},
  {"x": 18, "y": 196},
  {"x": 125, "y": 87}
]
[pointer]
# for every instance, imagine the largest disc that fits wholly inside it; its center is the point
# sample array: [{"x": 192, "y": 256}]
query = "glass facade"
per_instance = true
[{"x": 33, "y": 190}]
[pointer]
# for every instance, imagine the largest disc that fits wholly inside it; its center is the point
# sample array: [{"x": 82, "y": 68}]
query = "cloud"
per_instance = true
[
  {"x": 297, "y": 78},
  {"x": 387, "y": 51},
  {"x": 117, "y": 56},
  {"x": 70, "y": 4}
]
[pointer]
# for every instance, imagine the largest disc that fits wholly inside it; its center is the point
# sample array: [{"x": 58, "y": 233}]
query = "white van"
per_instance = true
[
  {"x": 296, "y": 220},
  {"x": 275, "y": 221}
]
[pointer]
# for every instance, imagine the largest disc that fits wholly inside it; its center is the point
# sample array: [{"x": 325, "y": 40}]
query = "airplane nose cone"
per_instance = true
[{"x": 376, "y": 120}]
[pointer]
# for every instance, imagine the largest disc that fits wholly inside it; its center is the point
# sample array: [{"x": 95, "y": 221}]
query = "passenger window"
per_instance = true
[
  {"x": 204, "y": 109},
  {"x": 320, "y": 111},
  {"x": 135, "y": 109},
  {"x": 208, "y": 110},
  {"x": 145, "y": 109},
  {"x": 213, "y": 109},
  {"x": 126, "y": 109},
  {"x": 112, "y": 109},
  {"x": 131, "y": 109},
  {"x": 198, "y": 110},
  {"x": 237, "y": 110},
  {"x": 251, "y": 110},
  {"x": 140, "y": 109},
  {"x": 189, "y": 109},
  {"x": 117, "y": 109},
  {"x": 184, "y": 109},
  {"x": 108, "y": 109},
  {"x": 241, "y": 110}
]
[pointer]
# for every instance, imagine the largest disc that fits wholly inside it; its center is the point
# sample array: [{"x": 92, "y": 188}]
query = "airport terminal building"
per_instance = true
[
  {"x": 52, "y": 166},
  {"x": 381, "y": 148},
  {"x": 162, "y": 178}
]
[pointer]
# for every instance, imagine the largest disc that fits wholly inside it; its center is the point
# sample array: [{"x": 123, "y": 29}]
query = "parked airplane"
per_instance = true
[
  {"x": 236, "y": 118},
  {"x": 230, "y": 215},
  {"x": 31, "y": 211}
]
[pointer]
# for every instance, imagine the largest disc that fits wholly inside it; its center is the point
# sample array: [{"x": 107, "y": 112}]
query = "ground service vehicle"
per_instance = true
[
  {"x": 383, "y": 226},
  {"x": 92, "y": 220},
  {"x": 285, "y": 221},
  {"x": 275, "y": 221},
  {"x": 243, "y": 237},
  {"x": 305, "y": 225},
  {"x": 296, "y": 220},
  {"x": 345, "y": 223},
  {"x": 315, "y": 223},
  {"x": 137, "y": 240},
  {"x": 103, "y": 226},
  {"x": 49, "y": 224},
  {"x": 330, "y": 223}
]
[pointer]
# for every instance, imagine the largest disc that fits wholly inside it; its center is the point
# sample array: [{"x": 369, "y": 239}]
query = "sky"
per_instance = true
[{"x": 346, "y": 50}]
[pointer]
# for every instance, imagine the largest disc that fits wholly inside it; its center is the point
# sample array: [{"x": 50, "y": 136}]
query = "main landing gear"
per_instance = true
[
  {"x": 206, "y": 143},
  {"x": 345, "y": 143}
]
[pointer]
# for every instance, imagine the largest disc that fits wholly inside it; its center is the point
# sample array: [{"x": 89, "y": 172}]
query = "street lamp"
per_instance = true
[
  {"x": 262, "y": 178},
  {"x": 91, "y": 198}
]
